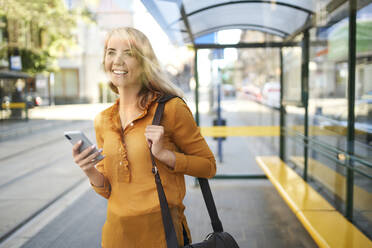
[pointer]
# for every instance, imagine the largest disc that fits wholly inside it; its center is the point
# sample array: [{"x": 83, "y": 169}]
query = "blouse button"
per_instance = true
[{"x": 121, "y": 163}]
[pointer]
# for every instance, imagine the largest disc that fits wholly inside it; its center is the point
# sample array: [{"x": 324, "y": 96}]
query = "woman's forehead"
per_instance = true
[{"x": 119, "y": 41}]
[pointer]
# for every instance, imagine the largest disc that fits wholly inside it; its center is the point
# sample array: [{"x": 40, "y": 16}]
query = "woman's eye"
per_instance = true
[
  {"x": 128, "y": 54},
  {"x": 110, "y": 53}
]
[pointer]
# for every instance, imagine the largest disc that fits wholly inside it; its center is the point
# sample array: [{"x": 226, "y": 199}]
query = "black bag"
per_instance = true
[{"x": 217, "y": 239}]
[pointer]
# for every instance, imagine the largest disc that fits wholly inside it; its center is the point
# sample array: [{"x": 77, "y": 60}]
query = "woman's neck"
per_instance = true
[{"x": 128, "y": 99}]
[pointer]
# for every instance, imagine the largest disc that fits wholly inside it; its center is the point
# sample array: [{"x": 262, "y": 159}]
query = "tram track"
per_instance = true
[
  {"x": 22, "y": 176},
  {"x": 31, "y": 162},
  {"x": 34, "y": 147},
  {"x": 14, "y": 229},
  {"x": 28, "y": 149},
  {"x": 35, "y": 170}
]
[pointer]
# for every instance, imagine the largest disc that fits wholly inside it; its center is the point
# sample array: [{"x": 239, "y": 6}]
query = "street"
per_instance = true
[{"x": 36, "y": 170}]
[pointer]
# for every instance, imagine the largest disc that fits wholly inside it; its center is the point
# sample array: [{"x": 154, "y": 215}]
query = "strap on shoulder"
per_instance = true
[
  {"x": 165, "y": 98},
  {"x": 160, "y": 109}
]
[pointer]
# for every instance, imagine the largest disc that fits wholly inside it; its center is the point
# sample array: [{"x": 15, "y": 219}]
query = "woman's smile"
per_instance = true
[
  {"x": 119, "y": 73},
  {"x": 121, "y": 64}
]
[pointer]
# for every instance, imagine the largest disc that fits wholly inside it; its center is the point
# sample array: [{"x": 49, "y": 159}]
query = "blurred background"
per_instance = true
[
  {"x": 279, "y": 74},
  {"x": 51, "y": 51}
]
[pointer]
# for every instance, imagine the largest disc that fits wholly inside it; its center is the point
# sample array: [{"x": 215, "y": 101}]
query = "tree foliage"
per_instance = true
[{"x": 44, "y": 30}]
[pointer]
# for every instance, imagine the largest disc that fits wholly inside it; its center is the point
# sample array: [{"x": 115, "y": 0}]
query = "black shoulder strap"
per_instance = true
[
  {"x": 165, "y": 98},
  {"x": 160, "y": 109},
  {"x": 170, "y": 232}
]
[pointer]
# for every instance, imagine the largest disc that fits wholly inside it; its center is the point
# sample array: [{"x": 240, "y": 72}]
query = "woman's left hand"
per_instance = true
[{"x": 154, "y": 136}]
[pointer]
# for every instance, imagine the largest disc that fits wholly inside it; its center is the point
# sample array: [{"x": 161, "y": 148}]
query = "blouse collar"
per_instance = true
[{"x": 115, "y": 117}]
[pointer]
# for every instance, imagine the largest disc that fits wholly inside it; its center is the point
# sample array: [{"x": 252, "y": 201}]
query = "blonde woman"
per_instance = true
[{"x": 125, "y": 134}]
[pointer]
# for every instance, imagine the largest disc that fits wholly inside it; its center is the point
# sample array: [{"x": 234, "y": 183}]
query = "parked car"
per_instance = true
[
  {"x": 33, "y": 100},
  {"x": 253, "y": 92},
  {"x": 228, "y": 90},
  {"x": 271, "y": 94}
]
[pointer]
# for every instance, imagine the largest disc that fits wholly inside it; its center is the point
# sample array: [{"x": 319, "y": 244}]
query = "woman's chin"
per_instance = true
[{"x": 117, "y": 83}]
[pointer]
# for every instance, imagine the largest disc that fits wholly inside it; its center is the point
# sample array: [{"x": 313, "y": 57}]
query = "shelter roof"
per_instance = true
[
  {"x": 186, "y": 20},
  {"x": 13, "y": 74}
]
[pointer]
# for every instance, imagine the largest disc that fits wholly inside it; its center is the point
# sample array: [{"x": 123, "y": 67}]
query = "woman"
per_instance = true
[{"x": 125, "y": 134}]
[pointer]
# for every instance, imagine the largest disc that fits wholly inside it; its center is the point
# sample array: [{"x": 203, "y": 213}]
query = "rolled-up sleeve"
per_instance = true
[
  {"x": 105, "y": 190},
  {"x": 195, "y": 158}
]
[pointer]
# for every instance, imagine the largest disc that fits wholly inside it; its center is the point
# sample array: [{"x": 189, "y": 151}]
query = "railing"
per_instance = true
[
  {"x": 326, "y": 149},
  {"x": 332, "y": 153}
]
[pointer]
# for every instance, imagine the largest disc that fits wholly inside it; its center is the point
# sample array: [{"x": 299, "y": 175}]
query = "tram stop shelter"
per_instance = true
[
  {"x": 13, "y": 88},
  {"x": 186, "y": 21}
]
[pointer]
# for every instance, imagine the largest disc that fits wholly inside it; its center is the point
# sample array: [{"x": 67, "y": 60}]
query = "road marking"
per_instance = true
[{"x": 225, "y": 131}]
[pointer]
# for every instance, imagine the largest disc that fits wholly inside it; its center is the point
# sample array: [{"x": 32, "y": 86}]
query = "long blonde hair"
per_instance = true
[{"x": 153, "y": 79}]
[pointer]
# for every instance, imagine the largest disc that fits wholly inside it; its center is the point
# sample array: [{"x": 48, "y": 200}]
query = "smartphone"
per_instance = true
[{"x": 75, "y": 136}]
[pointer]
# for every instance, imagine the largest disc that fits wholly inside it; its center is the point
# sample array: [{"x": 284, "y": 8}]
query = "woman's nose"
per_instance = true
[{"x": 118, "y": 59}]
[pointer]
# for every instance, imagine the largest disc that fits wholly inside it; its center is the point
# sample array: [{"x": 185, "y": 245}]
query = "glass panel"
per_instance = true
[
  {"x": 363, "y": 83},
  {"x": 328, "y": 78},
  {"x": 166, "y": 13},
  {"x": 292, "y": 75},
  {"x": 170, "y": 11},
  {"x": 276, "y": 17},
  {"x": 294, "y": 123},
  {"x": 328, "y": 114},
  {"x": 192, "y": 5},
  {"x": 279, "y": 18},
  {"x": 363, "y": 117},
  {"x": 239, "y": 78}
]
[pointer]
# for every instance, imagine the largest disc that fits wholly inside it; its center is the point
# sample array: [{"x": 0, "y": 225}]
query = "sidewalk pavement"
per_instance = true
[
  {"x": 251, "y": 210},
  {"x": 46, "y": 117}
]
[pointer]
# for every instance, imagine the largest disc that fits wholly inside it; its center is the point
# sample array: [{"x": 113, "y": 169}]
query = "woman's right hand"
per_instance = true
[{"x": 84, "y": 159}]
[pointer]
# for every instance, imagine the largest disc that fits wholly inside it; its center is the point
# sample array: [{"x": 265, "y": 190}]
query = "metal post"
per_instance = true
[
  {"x": 196, "y": 76},
  {"x": 351, "y": 103},
  {"x": 305, "y": 95},
  {"x": 26, "y": 110},
  {"x": 282, "y": 110},
  {"x": 219, "y": 119},
  {"x": 196, "y": 86}
]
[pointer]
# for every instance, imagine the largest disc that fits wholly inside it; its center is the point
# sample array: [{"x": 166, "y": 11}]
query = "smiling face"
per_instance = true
[{"x": 121, "y": 65}]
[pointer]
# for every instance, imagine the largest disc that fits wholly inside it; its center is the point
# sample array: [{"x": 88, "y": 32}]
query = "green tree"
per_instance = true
[{"x": 39, "y": 31}]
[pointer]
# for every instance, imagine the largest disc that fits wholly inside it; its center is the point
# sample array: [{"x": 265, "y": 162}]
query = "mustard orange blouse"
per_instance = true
[{"x": 133, "y": 213}]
